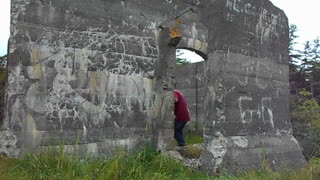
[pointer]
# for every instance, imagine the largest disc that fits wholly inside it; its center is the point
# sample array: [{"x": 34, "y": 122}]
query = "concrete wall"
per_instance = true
[
  {"x": 101, "y": 73},
  {"x": 84, "y": 71},
  {"x": 247, "y": 104}
]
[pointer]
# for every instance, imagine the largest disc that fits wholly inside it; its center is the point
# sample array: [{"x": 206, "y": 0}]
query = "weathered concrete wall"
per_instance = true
[
  {"x": 247, "y": 114},
  {"x": 81, "y": 70},
  {"x": 101, "y": 73}
]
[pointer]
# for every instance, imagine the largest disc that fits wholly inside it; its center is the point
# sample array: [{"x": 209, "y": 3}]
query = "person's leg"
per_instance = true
[
  {"x": 183, "y": 142},
  {"x": 178, "y": 127}
]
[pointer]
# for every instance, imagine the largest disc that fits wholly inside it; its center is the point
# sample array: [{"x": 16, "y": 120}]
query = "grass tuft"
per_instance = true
[{"x": 145, "y": 164}]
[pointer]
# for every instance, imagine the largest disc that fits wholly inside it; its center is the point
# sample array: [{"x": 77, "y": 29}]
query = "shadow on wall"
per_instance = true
[
  {"x": 2, "y": 94},
  {"x": 3, "y": 77}
]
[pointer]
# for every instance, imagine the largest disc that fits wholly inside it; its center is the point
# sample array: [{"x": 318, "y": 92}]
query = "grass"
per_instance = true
[
  {"x": 193, "y": 139},
  {"x": 145, "y": 164}
]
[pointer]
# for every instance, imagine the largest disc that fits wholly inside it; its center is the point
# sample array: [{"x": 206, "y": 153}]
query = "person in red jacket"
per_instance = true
[{"x": 181, "y": 113}]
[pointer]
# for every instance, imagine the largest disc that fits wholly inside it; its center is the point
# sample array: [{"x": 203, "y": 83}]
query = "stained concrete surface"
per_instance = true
[{"x": 101, "y": 73}]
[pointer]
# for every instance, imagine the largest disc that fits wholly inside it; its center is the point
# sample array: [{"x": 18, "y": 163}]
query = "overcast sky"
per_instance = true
[{"x": 303, "y": 13}]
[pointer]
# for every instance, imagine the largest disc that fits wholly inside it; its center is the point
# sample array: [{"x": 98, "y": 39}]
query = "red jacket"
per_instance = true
[{"x": 181, "y": 110}]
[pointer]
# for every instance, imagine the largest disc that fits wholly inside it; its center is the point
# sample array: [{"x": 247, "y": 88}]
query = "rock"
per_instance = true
[
  {"x": 188, "y": 155},
  {"x": 190, "y": 151},
  {"x": 174, "y": 155}
]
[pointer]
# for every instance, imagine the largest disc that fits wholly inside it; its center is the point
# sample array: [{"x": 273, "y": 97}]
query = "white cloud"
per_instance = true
[{"x": 305, "y": 14}]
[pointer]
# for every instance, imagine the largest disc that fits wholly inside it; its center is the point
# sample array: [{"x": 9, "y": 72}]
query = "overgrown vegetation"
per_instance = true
[
  {"x": 304, "y": 66},
  {"x": 306, "y": 110},
  {"x": 145, "y": 164},
  {"x": 194, "y": 138}
]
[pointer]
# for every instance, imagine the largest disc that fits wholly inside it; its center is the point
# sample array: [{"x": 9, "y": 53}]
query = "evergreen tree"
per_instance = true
[
  {"x": 310, "y": 66},
  {"x": 296, "y": 76},
  {"x": 294, "y": 54},
  {"x": 179, "y": 59},
  {"x": 304, "y": 65}
]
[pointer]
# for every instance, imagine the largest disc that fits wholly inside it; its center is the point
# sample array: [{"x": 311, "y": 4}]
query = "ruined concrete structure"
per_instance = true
[{"x": 99, "y": 74}]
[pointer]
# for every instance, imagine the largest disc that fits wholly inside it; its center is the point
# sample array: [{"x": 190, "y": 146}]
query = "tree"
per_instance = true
[
  {"x": 304, "y": 77},
  {"x": 310, "y": 66},
  {"x": 3, "y": 62},
  {"x": 294, "y": 54},
  {"x": 179, "y": 59},
  {"x": 304, "y": 65},
  {"x": 296, "y": 76},
  {"x": 307, "y": 109}
]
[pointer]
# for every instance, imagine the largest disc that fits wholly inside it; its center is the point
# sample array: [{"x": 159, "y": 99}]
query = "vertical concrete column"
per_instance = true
[
  {"x": 164, "y": 85},
  {"x": 215, "y": 142}
]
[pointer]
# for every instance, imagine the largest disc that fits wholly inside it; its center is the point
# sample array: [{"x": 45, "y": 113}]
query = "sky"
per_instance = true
[{"x": 303, "y": 13}]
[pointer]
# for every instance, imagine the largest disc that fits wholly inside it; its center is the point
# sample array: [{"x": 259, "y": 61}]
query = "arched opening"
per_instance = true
[
  {"x": 189, "y": 80},
  {"x": 189, "y": 56}
]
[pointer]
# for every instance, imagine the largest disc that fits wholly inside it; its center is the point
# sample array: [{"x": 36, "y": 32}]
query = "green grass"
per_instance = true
[
  {"x": 146, "y": 164},
  {"x": 194, "y": 139}
]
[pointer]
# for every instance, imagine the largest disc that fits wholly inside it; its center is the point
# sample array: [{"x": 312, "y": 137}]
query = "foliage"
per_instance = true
[
  {"x": 296, "y": 76},
  {"x": 293, "y": 53},
  {"x": 305, "y": 116},
  {"x": 310, "y": 172},
  {"x": 304, "y": 78},
  {"x": 145, "y": 164},
  {"x": 306, "y": 109},
  {"x": 4, "y": 57},
  {"x": 179, "y": 60},
  {"x": 192, "y": 138},
  {"x": 304, "y": 65},
  {"x": 310, "y": 65}
]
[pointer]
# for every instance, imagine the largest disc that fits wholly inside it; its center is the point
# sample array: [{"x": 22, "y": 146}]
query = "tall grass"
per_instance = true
[{"x": 146, "y": 164}]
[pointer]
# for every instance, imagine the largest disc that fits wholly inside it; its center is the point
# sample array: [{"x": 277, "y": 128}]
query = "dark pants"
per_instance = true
[{"x": 178, "y": 127}]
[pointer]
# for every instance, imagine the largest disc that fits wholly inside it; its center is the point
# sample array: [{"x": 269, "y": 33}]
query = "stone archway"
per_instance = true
[{"x": 189, "y": 79}]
